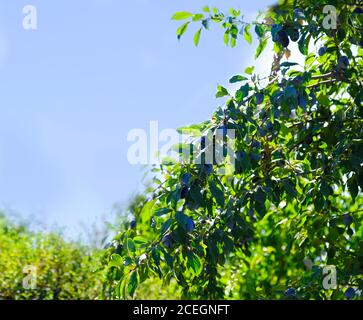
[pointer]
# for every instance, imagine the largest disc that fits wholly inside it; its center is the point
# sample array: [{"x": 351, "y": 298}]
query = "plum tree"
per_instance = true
[{"x": 298, "y": 173}]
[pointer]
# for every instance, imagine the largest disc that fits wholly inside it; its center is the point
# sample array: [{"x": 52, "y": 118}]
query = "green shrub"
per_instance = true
[{"x": 63, "y": 270}]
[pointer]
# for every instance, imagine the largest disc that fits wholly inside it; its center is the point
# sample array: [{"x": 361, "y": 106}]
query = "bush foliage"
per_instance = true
[{"x": 63, "y": 270}]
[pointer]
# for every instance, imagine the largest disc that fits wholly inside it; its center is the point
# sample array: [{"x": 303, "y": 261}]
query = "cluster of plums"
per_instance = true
[{"x": 283, "y": 34}]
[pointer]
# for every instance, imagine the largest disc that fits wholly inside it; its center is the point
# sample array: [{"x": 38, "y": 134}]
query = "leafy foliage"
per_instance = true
[
  {"x": 63, "y": 270},
  {"x": 294, "y": 203}
]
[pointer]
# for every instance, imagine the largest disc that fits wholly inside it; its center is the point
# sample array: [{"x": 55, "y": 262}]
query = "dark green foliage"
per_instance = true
[{"x": 293, "y": 205}]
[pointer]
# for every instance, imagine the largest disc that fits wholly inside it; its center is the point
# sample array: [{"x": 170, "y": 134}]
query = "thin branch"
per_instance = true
[{"x": 326, "y": 82}]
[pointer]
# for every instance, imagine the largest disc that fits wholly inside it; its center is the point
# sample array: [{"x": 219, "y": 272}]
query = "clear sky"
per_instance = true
[{"x": 71, "y": 90}]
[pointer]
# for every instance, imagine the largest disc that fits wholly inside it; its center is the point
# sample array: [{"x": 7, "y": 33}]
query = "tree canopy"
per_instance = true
[{"x": 292, "y": 204}]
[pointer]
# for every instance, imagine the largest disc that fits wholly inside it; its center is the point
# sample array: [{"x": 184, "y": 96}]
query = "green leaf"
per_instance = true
[
  {"x": 228, "y": 244},
  {"x": 116, "y": 261},
  {"x": 289, "y": 188},
  {"x": 193, "y": 130},
  {"x": 122, "y": 287},
  {"x": 353, "y": 186},
  {"x": 261, "y": 209},
  {"x": 182, "y": 15},
  {"x": 221, "y": 92},
  {"x": 138, "y": 240},
  {"x": 182, "y": 29},
  {"x": 237, "y": 78},
  {"x": 198, "y": 17},
  {"x": 205, "y": 23},
  {"x": 133, "y": 282},
  {"x": 194, "y": 263},
  {"x": 174, "y": 196},
  {"x": 226, "y": 38},
  {"x": 166, "y": 225},
  {"x": 155, "y": 253},
  {"x": 196, "y": 195},
  {"x": 169, "y": 259},
  {"x": 162, "y": 211},
  {"x": 197, "y": 37},
  {"x": 260, "y": 196},
  {"x": 247, "y": 35},
  {"x": 147, "y": 211},
  {"x": 242, "y": 92},
  {"x": 217, "y": 193},
  {"x": 304, "y": 44},
  {"x": 181, "y": 218},
  {"x": 262, "y": 45},
  {"x": 260, "y": 31},
  {"x": 234, "y": 12},
  {"x": 288, "y": 64},
  {"x": 128, "y": 261},
  {"x": 324, "y": 100},
  {"x": 249, "y": 70},
  {"x": 168, "y": 161},
  {"x": 143, "y": 273},
  {"x": 319, "y": 202},
  {"x": 130, "y": 245}
]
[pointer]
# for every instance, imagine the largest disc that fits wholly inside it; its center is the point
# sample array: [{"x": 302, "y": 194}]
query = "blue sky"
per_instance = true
[{"x": 72, "y": 89}]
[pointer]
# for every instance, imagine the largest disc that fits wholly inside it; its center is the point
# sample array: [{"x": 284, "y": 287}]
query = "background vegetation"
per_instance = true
[{"x": 64, "y": 270}]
